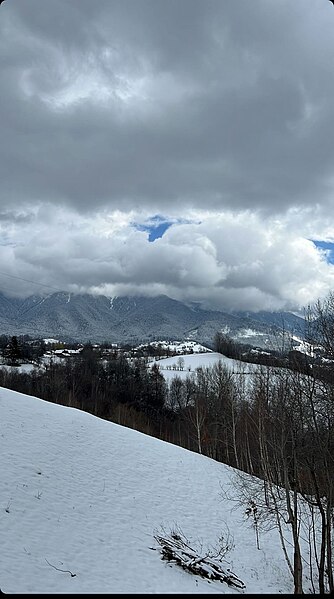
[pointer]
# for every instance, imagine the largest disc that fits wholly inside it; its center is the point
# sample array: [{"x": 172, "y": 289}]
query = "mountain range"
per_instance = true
[{"x": 97, "y": 318}]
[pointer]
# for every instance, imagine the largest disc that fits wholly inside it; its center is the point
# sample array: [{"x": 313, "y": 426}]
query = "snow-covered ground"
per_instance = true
[
  {"x": 170, "y": 368},
  {"x": 180, "y": 347},
  {"x": 29, "y": 367},
  {"x": 81, "y": 498},
  {"x": 21, "y": 368}
]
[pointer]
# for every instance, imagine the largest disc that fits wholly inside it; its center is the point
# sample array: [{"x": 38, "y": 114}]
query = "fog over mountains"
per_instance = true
[{"x": 135, "y": 319}]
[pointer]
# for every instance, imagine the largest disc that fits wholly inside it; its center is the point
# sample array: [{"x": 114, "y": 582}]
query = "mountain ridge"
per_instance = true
[{"x": 85, "y": 317}]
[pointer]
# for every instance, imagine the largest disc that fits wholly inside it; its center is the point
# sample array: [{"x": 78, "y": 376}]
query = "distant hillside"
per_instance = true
[
  {"x": 283, "y": 320},
  {"x": 129, "y": 319}
]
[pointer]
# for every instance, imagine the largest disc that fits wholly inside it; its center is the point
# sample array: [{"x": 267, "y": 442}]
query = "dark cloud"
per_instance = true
[
  {"x": 152, "y": 103},
  {"x": 213, "y": 113},
  {"x": 12, "y": 216}
]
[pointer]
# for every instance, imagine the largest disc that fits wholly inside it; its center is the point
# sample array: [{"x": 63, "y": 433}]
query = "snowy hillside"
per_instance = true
[
  {"x": 81, "y": 498},
  {"x": 170, "y": 368}
]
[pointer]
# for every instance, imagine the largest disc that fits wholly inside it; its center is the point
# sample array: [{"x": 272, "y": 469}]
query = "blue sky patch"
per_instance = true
[
  {"x": 156, "y": 231},
  {"x": 328, "y": 247},
  {"x": 157, "y": 225}
]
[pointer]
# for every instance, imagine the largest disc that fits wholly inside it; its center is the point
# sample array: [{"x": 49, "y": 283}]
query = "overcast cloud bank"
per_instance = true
[{"x": 216, "y": 115}]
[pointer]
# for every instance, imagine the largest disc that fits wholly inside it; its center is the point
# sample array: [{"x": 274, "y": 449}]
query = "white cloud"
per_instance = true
[
  {"x": 207, "y": 112},
  {"x": 228, "y": 260}
]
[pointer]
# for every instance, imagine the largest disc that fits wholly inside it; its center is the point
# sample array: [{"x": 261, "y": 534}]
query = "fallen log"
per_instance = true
[{"x": 176, "y": 548}]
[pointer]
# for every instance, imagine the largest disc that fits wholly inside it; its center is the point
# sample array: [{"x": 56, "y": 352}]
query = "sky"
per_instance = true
[
  {"x": 183, "y": 148},
  {"x": 83, "y": 498}
]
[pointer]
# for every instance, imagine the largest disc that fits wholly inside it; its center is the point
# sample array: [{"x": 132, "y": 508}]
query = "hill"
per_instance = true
[
  {"x": 81, "y": 498},
  {"x": 131, "y": 319},
  {"x": 169, "y": 367}
]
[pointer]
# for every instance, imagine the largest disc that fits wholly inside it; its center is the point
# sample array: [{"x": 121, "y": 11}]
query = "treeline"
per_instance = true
[
  {"x": 15, "y": 349},
  {"x": 192, "y": 412},
  {"x": 90, "y": 383},
  {"x": 212, "y": 410},
  {"x": 205, "y": 411},
  {"x": 282, "y": 357}
]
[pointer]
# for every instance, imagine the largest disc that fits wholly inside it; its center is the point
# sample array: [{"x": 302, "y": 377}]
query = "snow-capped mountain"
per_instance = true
[{"x": 132, "y": 319}]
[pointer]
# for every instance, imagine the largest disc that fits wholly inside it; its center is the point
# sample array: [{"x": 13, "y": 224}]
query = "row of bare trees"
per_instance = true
[
  {"x": 290, "y": 449},
  {"x": 276, "y": 424}
]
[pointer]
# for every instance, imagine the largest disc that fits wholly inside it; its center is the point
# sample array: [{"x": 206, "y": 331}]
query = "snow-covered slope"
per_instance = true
[
  {"x": 80, "y": 499},
  {"x": 170, "y": 367}
]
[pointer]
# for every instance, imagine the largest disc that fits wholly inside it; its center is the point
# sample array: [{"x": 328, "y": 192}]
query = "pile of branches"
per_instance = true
[{"x": 176, "y": 548}]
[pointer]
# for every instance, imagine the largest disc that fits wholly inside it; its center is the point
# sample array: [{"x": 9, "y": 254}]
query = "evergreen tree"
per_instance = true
[{"x": 13, "y": 352}]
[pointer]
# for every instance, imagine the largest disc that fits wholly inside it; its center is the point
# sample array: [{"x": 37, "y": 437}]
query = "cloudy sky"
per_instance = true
[{"x": 183, "y": 147}]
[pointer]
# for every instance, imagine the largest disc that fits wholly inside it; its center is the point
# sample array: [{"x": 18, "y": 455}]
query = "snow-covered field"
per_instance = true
[
  {"x": 180, "y": 347},
  {"x": 21, "y": 368},
  {"x": 80, "y": 499},
  {"x": 169, "y": 366}
]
